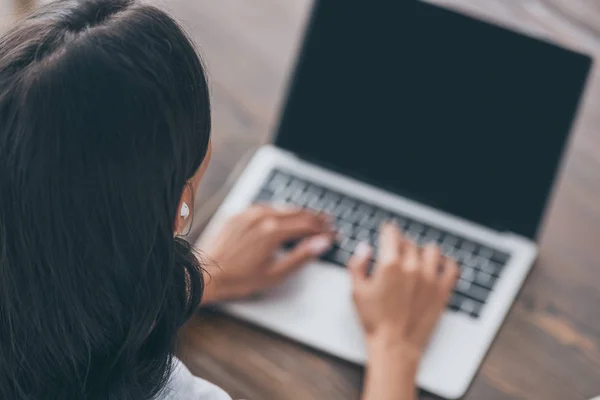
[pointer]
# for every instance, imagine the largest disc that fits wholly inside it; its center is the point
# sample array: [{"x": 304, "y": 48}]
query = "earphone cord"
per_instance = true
[{"x": 205, "y": 211}]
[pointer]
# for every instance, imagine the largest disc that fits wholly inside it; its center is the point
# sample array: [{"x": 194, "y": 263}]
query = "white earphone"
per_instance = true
[{"x": 185, "y": 210}]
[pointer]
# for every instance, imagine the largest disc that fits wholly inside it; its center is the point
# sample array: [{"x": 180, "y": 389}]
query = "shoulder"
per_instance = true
[{"x": 183, "y": 385}]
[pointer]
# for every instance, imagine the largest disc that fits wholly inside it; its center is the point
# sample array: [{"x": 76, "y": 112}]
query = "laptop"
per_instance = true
[{"x": 456, "y": 132}]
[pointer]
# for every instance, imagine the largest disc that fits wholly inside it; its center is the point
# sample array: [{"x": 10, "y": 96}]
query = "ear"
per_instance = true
[{"x": 183, "y": 216}]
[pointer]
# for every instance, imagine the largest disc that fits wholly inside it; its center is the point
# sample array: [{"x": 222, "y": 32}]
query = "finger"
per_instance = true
[
  {"x": 359, "y": 263},
  {"x": 298, "y": 225},
  {"x": 306, "y": 250},
  {"x": 255, "y": 214},
  {"x": 449, "y": 275},
  {"x": 402, "y": 244},
  {"x": 390, "y": 239},
  {"x": 286, "y": 210},
  {"x": 409, "y": 269},
  {"x": 411, "y": 259},
  {"x": 291, "y": 214},
  {"x": 431, "y": 262}
]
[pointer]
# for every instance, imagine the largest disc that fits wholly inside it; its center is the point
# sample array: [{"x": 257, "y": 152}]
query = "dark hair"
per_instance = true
[{"x": 104, "y": 117}]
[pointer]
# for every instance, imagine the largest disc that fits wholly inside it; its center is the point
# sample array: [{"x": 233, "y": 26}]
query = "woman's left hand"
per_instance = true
[{"x": 245, "y": 250}]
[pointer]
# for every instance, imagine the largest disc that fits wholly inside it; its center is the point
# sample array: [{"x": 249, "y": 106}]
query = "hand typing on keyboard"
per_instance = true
[
  {"x": 399, "y": 304},
  {"x": 243, "y": 253}
]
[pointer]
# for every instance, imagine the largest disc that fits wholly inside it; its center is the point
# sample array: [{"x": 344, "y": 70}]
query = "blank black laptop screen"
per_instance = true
[{"x": 455, "y": 113}]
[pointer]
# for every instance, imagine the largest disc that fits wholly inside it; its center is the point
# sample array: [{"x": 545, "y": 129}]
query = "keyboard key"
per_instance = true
[
  {"x": 348, "y": 204},
  {"x": 338, "y": 256},
  {"x": 364, "y": 210},
  {"x": 285, "y": 194},
  {"x": 348, "y": 244},
  {"x": 345, "y": 209},
  {"x": 412, "y": 236},
  {"x": 315, "y": 203},
  {"x": 278, "y": 183},
  {"x": 471, "y": 307},
  {"x": 468, "y": 247},
  {"x": 401, "y": 222},
  {"x": 477, "y": 310},
  {"x": 329, "y": 207},
  {"x": 363, "y": 235},
  {"x": 468, "y": 274},
  {"x": 468, "y": 306},
  {"x": 416, "y": 227},
  {"x": 297, "y": 185},
  {"x": 421, "y": 240},
  {"x": 331, "y": 196},
  {"x": 477, "y": 292},
  {"x": 485, "y": 252},
  {"x": 456, "y": 301},
  {"x": 351, "y": 215},
  {"x": 345, "y": 229},
  {"x": 476, "y": 261},
  {"x": 491, "y": 268},
  {"x": 263, "y": 197},
  {"x": 300, "y": 198},
  {"x": 279, "y": 190},
  {"x": 339, "y": 210},
  {"x": 366, "y": 221},
  {"x": 462, "y": 256},
  {"x": 433, "y": 235},
  {"x": 450, "y": 240},
  {"x": 381, "y": 216},
  {"x": 314, "y": 191},
  {"x": 281, "y": 203},
  {"x": 335, "y": 224},
  {"x": 449, "y": 251},
  {"x": 375, "y": 240},
  {"x": 463, "y": 286},
  {"x": 330, "y": 200},
  {"x": 500, "y": 257},
  {"x": 426, "y": 240},
  {"x": 485, "y": 280}
]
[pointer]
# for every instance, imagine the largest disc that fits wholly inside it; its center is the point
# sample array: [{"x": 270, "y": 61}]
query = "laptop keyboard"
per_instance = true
[{"x": 358, "y": 221}]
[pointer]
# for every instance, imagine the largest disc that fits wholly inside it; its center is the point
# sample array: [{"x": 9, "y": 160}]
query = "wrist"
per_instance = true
[
  {"x": 389, "y": 346},
  {"x": 217, "y": 288},
  {"x": 392, "y": 368}
]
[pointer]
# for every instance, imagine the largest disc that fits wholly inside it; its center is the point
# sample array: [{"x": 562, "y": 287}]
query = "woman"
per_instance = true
[{"x": 104, "y": 138}]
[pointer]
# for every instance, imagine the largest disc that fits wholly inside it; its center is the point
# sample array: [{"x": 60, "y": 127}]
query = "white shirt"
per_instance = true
[{"x": 185, "y": 386}]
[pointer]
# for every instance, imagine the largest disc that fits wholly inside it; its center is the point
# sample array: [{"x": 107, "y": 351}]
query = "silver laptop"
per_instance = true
[{"x": 456, "y": 133}]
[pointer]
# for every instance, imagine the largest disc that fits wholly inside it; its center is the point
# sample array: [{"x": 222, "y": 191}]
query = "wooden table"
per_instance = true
[{"x": 549, "y": 347}]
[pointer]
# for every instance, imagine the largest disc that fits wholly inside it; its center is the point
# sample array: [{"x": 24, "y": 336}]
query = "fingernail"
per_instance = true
[
  {"x": 363, "y": 250},
  {"x": 325, "y": 218},
  {"x": 396, "y": 224},
  {"x": 320, "y": 244},
  {"x": 430, "y": 246},
  {"x": 284, "y": 207},
  {"x": 390, "y": 224}
]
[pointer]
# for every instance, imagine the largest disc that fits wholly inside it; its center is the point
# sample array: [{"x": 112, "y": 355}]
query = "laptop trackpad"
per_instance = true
[{"x": 314, "y": 307}]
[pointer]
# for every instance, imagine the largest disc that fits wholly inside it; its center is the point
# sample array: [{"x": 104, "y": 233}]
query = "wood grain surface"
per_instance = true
[{"x": 549, "y": 347}]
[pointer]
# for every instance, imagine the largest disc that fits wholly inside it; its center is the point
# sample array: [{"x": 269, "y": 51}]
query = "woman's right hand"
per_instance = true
[{"x": 399, "y": 305}]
